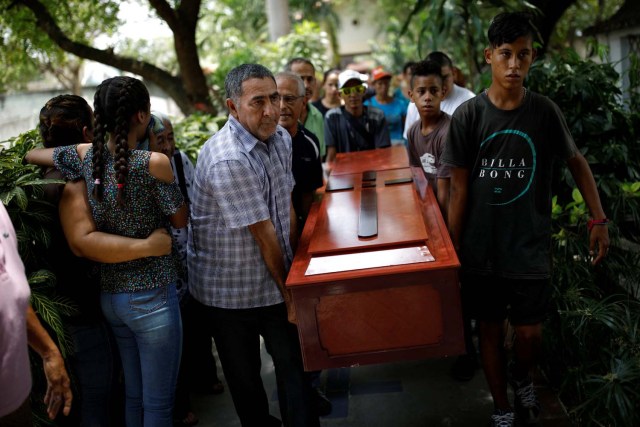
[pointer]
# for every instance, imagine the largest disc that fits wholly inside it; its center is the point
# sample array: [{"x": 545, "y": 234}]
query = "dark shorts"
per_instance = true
[{"x": 492, "y": 298}]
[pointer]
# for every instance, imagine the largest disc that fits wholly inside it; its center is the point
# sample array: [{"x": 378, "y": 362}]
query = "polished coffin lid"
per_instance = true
[
  {"x": 398, "y": 213},
  {"x": 338, "y": 237},
  {"x": 401, "y": 235},
  {"x": 394, "y": 157}
]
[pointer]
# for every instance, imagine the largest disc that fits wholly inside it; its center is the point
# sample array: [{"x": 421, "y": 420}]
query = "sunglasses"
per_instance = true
[{"x": 352, "y": 89}]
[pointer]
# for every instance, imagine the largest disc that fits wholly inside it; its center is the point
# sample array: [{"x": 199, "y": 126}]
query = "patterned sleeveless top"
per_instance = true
[{"x": 148, "y": 203}]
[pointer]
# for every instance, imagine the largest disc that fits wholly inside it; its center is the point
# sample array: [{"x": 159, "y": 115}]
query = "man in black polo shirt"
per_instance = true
[
  {"x": 306, "y": 161},
  {"x": 307, "y": 172}
]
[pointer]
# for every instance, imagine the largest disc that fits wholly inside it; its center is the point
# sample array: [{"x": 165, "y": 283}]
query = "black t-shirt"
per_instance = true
[
  {"x": 348, "y": 133},
  {"x": 320, "y": 106},
  {"x": 306, "y": 166},
  {"x": 509, "y": 155}
]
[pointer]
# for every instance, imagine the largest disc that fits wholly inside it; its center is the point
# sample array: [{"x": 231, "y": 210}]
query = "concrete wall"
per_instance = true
[{"x": 19, "y": 111}]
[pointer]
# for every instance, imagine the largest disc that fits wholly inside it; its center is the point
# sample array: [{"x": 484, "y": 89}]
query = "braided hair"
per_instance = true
[
  {"x": 116, "y": 100},
  {"x": 63, "y": 119}
]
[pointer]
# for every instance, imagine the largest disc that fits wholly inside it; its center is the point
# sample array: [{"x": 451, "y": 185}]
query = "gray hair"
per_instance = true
[
  {"x": 237, "y": 76},
  {"x": 162, "y": 116},
  {"x": 288, "y": 75}
]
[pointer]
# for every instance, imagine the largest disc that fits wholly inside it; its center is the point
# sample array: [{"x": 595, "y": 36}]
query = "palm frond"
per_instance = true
[{"x": 51, "y": 310}]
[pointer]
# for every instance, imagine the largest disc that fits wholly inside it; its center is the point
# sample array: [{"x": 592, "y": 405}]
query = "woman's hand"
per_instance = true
[{"x": 159, "y": 242}]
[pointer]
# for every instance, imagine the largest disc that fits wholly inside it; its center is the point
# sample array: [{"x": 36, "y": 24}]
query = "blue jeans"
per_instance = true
[
  {"x": 92, "y": 362},
  {"x": 148, "y": 330}
]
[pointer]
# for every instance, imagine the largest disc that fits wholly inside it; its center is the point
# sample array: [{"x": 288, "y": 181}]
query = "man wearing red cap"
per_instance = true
[{"x": 394, "y": 108}]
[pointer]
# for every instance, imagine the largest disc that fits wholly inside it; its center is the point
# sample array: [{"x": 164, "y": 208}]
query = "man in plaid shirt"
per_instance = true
[{"x": 240, "y": 251}]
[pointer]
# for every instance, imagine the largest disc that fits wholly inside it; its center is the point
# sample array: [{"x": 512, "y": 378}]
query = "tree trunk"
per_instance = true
[
  {"x": 552, "y": 11},
  {"x": 278, "y": 18},
  {"x": 189, "y": 91},
  {"x": 183, "y": 21}
]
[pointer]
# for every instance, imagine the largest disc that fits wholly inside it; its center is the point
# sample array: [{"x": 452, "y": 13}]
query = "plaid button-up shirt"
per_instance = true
[{"x": 239, "y": 181}]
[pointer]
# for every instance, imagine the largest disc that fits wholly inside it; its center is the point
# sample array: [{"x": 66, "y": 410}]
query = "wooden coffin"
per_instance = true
[{"x": 368, "y": 295}]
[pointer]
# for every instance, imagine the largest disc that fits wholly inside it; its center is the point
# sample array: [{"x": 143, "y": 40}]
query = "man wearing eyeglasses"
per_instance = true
[
  {"x": 306, "y": 166},
  {"x": 310, "y": 117},
  {"x": 353, "y": 127},
  {"x": 306, "y": 162}
]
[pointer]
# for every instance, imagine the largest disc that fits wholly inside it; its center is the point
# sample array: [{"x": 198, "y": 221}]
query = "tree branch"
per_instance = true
[
  {"x": 166, "y": 12},
  {"x": 420, "y": 4},
  {"x": 171, "y": 84},
  {"x": 45, "y": 21}
]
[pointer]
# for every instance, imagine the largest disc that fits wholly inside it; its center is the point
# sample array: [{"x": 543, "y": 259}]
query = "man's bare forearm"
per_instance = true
[
  {"x": 583, "y": 177},
  {"x": 265, "y": 236},
  {"x": 457, "y": 204}
]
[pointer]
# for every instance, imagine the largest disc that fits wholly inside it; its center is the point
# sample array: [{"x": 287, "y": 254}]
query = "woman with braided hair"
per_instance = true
[
  {"x": 132, "y": 192},
  {"x": 68, "y": 120}
]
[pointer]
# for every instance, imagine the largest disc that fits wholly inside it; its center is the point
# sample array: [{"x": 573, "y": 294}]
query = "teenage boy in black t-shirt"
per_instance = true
[{"x": 500, "y": 146}]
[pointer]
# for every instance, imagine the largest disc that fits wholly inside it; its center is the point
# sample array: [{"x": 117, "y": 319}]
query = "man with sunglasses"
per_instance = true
[{"x": 354, "y": 127}]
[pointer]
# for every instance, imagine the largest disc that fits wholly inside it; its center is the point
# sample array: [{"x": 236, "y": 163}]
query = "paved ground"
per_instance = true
[{"x": 406, "y": 394}]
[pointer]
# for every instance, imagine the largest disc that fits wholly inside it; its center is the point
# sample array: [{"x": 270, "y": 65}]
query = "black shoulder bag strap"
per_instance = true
[
  {"x": 177, "y": 159},
  {"x": 355, "y": 124}
]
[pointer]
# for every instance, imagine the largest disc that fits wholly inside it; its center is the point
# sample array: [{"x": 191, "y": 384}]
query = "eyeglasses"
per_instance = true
[
  {"x": 290, "y": 99},
  {"x": 352, "y": 89}
]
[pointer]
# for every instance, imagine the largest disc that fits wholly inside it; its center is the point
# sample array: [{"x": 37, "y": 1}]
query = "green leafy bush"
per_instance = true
[
  {"x": 605, "y": 131},
  {"x": 194, "y": 130},
  {"x": 305, "y": 40},
  {"x": 593, "y": 337},
  {"x": 21, "y": 191}
]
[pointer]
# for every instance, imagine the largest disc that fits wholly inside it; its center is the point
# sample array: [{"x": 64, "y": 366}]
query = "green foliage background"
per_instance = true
[
  {"x": 305, "y": 40},
  {"x": 593, "y": 338},
  {"x": 21, "y": 191}
]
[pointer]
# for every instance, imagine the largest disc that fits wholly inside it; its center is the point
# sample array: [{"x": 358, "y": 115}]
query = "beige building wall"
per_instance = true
[{"x": 357, "y": 27}]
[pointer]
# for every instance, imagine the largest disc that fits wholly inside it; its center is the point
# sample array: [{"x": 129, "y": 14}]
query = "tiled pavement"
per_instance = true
[{"x": 405, "y": 394}]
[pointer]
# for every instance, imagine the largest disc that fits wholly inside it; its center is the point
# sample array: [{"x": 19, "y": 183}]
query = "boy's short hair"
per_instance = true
[
  {"x": 440, "y": 58},
  {"x": 508, "y": 26},
  {"x": 408, "y": 66},
  {"x": 426, "y": 68}
]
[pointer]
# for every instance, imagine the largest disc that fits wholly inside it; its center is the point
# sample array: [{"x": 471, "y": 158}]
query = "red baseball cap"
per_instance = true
[{"x": 379, "y": 73}]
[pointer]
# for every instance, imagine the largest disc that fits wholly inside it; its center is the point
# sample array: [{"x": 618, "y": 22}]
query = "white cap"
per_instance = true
[{"x": 347, "y": 75}]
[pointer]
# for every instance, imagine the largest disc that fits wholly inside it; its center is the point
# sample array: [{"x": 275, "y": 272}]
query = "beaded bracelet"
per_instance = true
[{"x": 593, "y": 222}]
